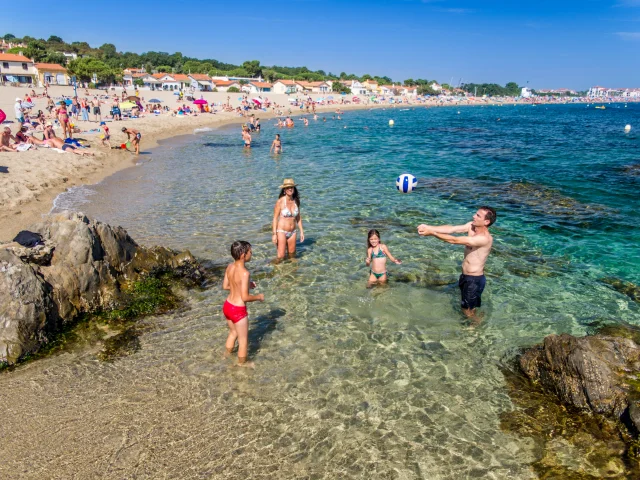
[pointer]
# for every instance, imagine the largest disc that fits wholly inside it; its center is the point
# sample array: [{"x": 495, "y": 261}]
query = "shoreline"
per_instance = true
[
  {"x": 26, "y": 198},
  {"x": 19, "y": 214}
]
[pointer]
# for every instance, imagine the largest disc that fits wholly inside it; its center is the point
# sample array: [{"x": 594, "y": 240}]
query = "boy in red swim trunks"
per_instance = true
[{"x": 236, "y": 279}]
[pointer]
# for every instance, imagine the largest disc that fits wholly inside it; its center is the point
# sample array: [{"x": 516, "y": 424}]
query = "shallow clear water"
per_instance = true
[{"x": 353, "y": 382}]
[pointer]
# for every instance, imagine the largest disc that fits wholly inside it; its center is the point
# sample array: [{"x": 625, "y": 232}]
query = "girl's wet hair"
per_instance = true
[
  {"x": 239, "y": 248},
  {"x": 372, "y": 232}
]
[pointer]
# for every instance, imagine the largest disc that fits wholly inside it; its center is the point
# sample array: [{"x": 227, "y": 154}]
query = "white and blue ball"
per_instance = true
[{"x": 406, "y": 182}]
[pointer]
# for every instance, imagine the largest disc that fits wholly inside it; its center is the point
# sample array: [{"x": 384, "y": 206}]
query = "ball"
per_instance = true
[
  {"x": 406, "y": 182},
  {"x": 391, "y": 123},
  {"x": 627, "y": 128}
]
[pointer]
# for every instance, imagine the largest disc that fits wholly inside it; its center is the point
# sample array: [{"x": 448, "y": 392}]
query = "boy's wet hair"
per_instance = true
[
  {"x": 489, "y": 214},
  {"x": 371, "y": 233},
  {"x": 239, "y": 248}
]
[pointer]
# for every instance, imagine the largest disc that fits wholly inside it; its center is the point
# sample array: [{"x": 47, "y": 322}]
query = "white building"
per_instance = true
[
  {"x": 16, "y": 69},
  {"x": 201, "y": 82},
  {"x": 287, "y": 87},
  {"x": 259, "y": 87}
]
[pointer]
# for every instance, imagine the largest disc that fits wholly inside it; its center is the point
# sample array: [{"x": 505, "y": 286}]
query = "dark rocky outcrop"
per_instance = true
[
  {"x": 598, "y": 373},
  {"x": 83, "y": 267}
]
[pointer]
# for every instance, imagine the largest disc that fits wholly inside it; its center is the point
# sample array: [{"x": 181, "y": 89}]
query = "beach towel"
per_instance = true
[{"x": 23, "y": 147}]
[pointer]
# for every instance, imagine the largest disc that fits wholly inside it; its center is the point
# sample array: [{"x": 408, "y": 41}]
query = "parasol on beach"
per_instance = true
[
  {"x": 200, "y": 102},
  {"x": 66, "y": 101},
  {"x": 155, "y": 100},
  {"x": 127, "y": 105},
  {"x": 133, "y": 98},
  {"x": 330, "y": 97},
  {"x": 255, "y": 100}
]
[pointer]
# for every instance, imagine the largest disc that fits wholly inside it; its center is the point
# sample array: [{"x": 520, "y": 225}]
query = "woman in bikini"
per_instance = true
[
  {"x": 286, "y": 215},
  {"x": 63, "y": 118},
  {"x": 377, "y": 254}
]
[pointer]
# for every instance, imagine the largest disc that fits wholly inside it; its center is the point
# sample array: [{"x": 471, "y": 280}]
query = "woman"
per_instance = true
[
  {"x": 63, "y": 118},
  {"x": 286, "y": 215}
]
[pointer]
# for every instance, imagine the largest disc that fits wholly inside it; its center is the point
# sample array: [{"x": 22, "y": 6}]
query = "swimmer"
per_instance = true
[
  {"x": 237, "y": 281},
  {"x": 306, "y": 122},
  {"x": 477, "y": 246},
  {"x": 246, "y": 136},
  {"x": 276, "y": 146},
  {"x": 377, "y": 254}
]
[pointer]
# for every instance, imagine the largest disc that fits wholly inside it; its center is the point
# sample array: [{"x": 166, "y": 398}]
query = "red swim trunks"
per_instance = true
[{"x": 233, "y": 312}]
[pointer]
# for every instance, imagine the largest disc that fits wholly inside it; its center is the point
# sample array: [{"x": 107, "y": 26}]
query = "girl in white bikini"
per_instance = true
[{"x": 286, "y": 215}]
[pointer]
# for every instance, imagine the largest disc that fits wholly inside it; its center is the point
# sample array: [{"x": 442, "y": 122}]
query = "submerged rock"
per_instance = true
[
  {"x": 83, "y": 267},
  {"x": 629, "y": 289},
  {"x": 598, "y": 373}
]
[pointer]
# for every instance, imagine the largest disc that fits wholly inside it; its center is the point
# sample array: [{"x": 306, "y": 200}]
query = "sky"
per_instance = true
[{"x": 543, "y": 44}]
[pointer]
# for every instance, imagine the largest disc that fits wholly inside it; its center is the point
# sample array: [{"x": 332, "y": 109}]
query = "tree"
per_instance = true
[
  {"x": 253, "y": 68},
  {"x": 512, "y": 89},
  {"x": 426, "y": 90},
  {"x": 138, "y": 82},
  {"x": 233, "y": 90},
  {"x": 408, "y": 82},
  {"x": 85, "y": 68},
  {"x": 338, "y": 87},
  {"x": 108, "y": 50},
  {"x": 54, "y": 39},
  {"x": 55, "y": 57},
  {"x": 36, "y": 50},
  {"x": 164, "y": 68},
  {"x": 9, "y": 37}
]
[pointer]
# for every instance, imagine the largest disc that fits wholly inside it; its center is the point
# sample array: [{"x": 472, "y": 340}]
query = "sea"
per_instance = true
[{"x": 350, "y": 382}]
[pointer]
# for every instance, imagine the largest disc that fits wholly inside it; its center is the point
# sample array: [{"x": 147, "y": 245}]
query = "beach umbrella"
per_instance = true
[
  {"x": 3, "y": 116},
  {"x": 330, "y": 97},
  {"x": 155, "y": 100},
  {"x": 255, "y": 100},
  {"x": 127, "y": 105},
  {"x": 133, "y": 98},
  {"x": 67, "y": 101},
  {"x": 200, "y": 102}
]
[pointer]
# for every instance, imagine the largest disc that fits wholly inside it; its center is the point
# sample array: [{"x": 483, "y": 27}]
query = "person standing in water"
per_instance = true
[
  {"x": 276, "y": 146},
  {"x": 477, "y": 246},
  {"x": 377, "y": 254},
  {"x": 286, "y": 214},
  {"x": 238, "y": 282}
]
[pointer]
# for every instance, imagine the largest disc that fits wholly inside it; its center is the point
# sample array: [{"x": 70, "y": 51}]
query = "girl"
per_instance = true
[
  {"x": 276, "y": 146},
  {"x": 377, "y": 254},
  {"x": 286, "y": 214}
]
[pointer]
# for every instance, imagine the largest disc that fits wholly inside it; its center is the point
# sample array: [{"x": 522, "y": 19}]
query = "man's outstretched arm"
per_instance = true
[
  {"x": 478, "y": 241},
  {"x": 448, "y": 229}
]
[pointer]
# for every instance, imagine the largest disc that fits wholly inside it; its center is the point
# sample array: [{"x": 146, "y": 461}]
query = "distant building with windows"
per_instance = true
[{"x": 16, "y": 69}]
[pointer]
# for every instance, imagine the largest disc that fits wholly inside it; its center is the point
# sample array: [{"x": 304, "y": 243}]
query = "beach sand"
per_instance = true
[{"x": 31, "y": 180}]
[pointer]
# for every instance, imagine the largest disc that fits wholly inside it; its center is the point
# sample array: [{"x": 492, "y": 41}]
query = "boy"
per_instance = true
[
  {"x": 106, "y": 136},
  {"x": 236, "y": 279}
]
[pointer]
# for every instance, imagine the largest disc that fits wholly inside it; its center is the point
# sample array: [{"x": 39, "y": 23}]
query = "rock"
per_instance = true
[
  {"x": 26, "y": 309},
  {"x": 81, "y": 268},
  {"x": 597, "y": 373},
  {"x": 629, "y": 289}
]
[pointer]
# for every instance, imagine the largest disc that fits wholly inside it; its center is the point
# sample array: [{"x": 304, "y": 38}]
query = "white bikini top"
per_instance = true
[{"x": 285, "y": 212}]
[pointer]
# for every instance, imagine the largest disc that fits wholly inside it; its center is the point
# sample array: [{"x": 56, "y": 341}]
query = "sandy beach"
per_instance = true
[{"x": 31, "y": 180}]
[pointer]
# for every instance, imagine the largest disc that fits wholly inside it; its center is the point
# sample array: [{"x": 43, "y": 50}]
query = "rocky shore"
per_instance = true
[{"x": 80, "y": 266}]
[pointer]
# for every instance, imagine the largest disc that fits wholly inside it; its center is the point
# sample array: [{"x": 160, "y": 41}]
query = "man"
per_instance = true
[
  {"x": 136, "y": 137},
  {"x": 477, "y": 246},
  {"x": 19, "y": 111},
  {"x": 6, "y": 137},
  {"x": 95, "y": 103}
]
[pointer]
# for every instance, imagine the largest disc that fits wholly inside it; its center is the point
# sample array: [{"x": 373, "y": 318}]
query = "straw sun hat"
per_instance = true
[{"x": 288, "y": 182}]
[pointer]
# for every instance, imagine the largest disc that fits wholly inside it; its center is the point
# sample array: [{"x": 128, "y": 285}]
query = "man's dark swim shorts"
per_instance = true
[{"x": 471, "y": 287}]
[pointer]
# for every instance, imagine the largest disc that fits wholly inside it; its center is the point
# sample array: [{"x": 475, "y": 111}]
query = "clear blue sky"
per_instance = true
[{"x": 550, "y": 44}]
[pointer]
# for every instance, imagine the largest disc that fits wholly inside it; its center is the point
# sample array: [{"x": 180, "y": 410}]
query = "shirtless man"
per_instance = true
[
  {"x": 136, "y": 137},
  {"x": 477, "y": 246},
  {"x": 95, "y": 103},
  {"x": 246, "y": 136}
]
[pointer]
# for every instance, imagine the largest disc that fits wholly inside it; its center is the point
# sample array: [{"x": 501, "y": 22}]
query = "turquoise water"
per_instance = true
[{"x": 387, "y": 382}]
